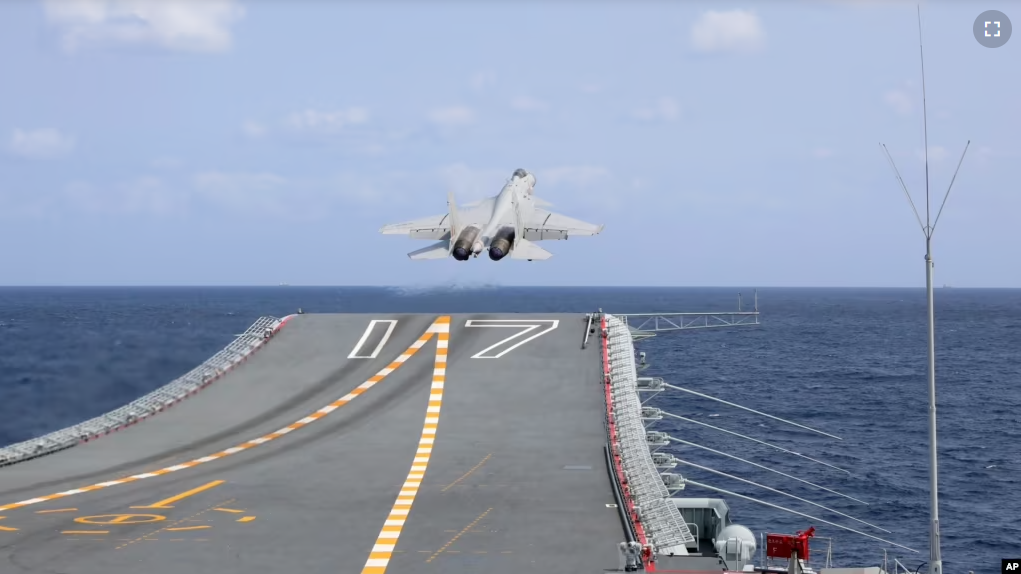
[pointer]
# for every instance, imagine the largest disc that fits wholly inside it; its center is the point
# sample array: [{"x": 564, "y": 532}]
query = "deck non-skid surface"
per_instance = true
[{"x": 515, "y": 480}]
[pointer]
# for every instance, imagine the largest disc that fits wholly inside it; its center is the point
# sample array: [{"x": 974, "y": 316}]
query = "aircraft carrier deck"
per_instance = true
[{"x": 349, "y": 443}]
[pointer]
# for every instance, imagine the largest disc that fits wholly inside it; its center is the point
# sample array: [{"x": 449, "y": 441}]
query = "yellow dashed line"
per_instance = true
[
  {"x": 379, "y": 558},
  {"x": 263, "y": 439},
  {"x": 465, "y": 475},
  {"x": 458, "y": 535},
  {"x": 246, "y": 519},
  {"x": 204, "y": 526},
  {"x": 56, "y": 510},
  {"x": 171, "y": 525}
]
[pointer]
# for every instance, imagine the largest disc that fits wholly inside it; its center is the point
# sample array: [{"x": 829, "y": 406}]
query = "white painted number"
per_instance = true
[
  {"x": 526, "y": 326},
  {"x": 369, "y": 331}
]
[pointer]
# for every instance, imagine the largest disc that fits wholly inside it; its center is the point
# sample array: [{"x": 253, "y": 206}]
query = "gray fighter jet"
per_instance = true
[{"x": 507, "y": 223}]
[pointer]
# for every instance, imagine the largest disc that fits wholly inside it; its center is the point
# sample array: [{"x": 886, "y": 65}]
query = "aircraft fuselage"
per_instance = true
[{"x": 483, "y": 234}]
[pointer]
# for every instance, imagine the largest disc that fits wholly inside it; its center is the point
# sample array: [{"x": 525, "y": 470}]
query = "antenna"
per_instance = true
[
  {"x": 728, "y": 403},
  {"x": 771, "y": 489},
  {"x": 763, "y": 467},
  {"x": 746, "y": 437},
  {"x": 935, "y": 559}
]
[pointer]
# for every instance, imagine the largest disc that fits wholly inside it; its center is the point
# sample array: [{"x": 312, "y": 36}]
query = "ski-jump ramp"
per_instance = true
[{"x": 348, "y": 443}]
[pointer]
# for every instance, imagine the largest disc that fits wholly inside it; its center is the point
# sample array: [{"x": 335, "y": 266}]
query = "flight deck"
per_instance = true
[{"x": 350, "y": 443}]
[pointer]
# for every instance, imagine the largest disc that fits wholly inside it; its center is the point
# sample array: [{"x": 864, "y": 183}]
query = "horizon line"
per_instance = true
[{"x": 473, "y": 285}]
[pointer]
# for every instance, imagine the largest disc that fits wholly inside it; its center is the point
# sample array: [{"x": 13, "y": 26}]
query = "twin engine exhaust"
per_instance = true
[
  {"x": 468, "y": 243},
  {"x": 464, "y": 247},
  {"x": 501, "y": 244}
]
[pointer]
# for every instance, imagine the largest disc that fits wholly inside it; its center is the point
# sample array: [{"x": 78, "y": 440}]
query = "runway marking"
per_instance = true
[
  {"x": 167, "y": 502},
  {"x": 382, "y": 551},
  {"x": 458, "y": 535},
  {"x": 85, "y": 532},
  {"x": 322, "y": 412},
  {"x": 188, "y": 528},
  {"x": 145, "y": 536},
  {"x": 368, "y": 331},
  {"x": 119, "y": 519},
  {"x": 228, "y": 510},
  {"x": 465, "y": 475},
  {"x": 56, "y": 510},
  {"x": 7, "y": 529},
  {"x": 246, "y": 519},
  {"x": 526, "y": 326}
]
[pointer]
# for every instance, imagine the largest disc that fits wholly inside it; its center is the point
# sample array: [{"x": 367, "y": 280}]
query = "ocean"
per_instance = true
[{"x": 851, "y": 362}]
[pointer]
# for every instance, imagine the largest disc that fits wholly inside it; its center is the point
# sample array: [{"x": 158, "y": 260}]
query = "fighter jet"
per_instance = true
[{"x": 508, "y": 222}]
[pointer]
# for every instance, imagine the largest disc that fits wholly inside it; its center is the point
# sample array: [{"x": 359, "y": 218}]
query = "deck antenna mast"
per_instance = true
[{"x": 935, "y": 559}]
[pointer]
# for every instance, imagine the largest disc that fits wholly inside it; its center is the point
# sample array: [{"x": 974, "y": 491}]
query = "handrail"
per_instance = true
[
  {"x": 656, "y": 520},
  {"x": 156, "y": 401}
]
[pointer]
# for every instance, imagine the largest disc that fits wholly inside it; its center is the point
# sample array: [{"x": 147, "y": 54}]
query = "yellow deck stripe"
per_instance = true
[
  {"x": 422, "y": 340},
  {"x": 165, "y": 503},
  {"x": 382, "y": 551}
]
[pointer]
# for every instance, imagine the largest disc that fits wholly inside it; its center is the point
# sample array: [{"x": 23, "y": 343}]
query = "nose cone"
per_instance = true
[{"x": 477, "y": 247}]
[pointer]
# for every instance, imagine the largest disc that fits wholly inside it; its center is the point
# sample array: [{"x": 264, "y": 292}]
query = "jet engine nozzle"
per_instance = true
[
  {"x": 501, "y": 244},
  {"x": 463, "y": 246}
]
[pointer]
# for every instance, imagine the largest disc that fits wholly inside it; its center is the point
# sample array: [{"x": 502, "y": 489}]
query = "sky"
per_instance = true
[{"x": 262, "y": 142}]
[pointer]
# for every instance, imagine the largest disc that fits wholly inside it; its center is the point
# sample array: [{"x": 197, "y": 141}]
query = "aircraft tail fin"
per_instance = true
[
  {"x": 439, "y": 250},
  {"x": 455, "y": 221},
  {"x": 525, "y": 249}
]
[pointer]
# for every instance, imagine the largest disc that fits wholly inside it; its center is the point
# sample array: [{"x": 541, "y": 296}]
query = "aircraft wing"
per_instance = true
[
  {"x": 545, "y": 226},
  {"x": 437, "y": 227},
  {"x": 432, "y": 227}
]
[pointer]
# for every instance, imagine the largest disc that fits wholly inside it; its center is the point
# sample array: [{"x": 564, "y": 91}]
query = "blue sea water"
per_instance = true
[{"x": 847, "y": 361}]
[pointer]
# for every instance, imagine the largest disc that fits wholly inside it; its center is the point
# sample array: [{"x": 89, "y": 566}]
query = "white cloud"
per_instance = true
[
  {"x": 248, "y": 193},
  {"x": 196, "y": 26},
  {"x": 316, "y": 121},
  {"x": 527, "y": 104},
  {"x": 471, "y": 183},
  {"x": 937, "y": 153},
  {"x": 253, "y": 129},
  {"x": 346, "y": 128},
  {"x": 166, "y": 162},
  {"x": 142, "y": 195},
  {"x": 237, "y": 185},
  {"x": 45, "y": 143},
  {"x": 16, "y": 206},
  {"x": 580, "y": 176},
  {"x": 269, "y": 194},
  {"x": 666, "y": 109},
  {"x": 899, "y": 100},
  {"x": 733, "y": 31},
  {"x": 452, "y": 116},
  {"x": 483, "y": 80}
]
